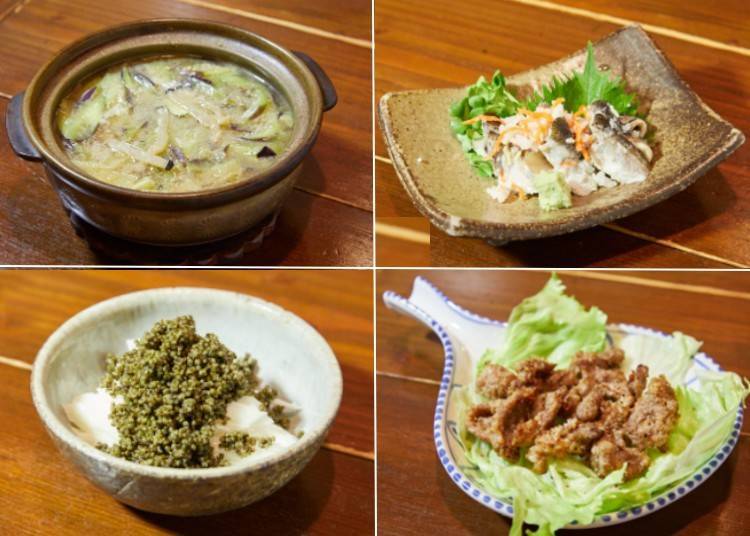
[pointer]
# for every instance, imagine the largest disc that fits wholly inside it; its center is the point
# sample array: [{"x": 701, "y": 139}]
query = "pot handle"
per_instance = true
[
  {"x": 326, "y": 86},
  {"x": 19, "y": 139}
]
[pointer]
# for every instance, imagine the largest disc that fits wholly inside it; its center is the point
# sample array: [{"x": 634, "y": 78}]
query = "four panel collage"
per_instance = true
[{"x": 356, "y": 267}]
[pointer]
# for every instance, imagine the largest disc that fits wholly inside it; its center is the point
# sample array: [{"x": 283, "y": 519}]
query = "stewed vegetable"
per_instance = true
[{"x": 174, "y": 124}]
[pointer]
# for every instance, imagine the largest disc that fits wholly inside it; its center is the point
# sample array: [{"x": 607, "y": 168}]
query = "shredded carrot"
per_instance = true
[
  {"x": 498, "y": 144},
  {"x": 482, "y": 117},
  {"x": 578, "y": 132},
  {"x": 579, "y": 128},
  {"x": 542, "y": 117},
  {"x": 517, "y": 189}
]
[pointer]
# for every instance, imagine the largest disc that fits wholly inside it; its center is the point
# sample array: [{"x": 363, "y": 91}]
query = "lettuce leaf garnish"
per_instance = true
[
  {"x": 490, "y": 98},
  {"x": 555, "y": 325},
  {"x": 552, "y": 325},
  {"x": 493, "y": 97}
]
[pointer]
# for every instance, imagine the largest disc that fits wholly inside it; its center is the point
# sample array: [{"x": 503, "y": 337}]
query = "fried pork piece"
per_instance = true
[
  {"x": 562, "y": 378},
  {"x": 496, "y": 421},
  {"x": 496, "y": 381},
  {"x": 610, "y": 453},
  {"x": 600, "y": 385},
  {"x": 611, "y": 358},
  {"x": 546, "y": 408},
  {"x": 653, "y": 416},
  {"x": 571, "y": 437},
  {"x": 637, "y": 380},
  {"x": 534, "y": 372},
  {"x": 592, "y": 410}
]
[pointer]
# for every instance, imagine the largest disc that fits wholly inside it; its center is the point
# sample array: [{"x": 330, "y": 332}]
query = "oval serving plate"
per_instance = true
[
  {"x": 465, "y": 336},
  {"x": 690, "y": 139}
]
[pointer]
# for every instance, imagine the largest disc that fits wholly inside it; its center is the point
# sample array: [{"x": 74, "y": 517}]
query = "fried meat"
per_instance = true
[{"x": 591, "y": 410}]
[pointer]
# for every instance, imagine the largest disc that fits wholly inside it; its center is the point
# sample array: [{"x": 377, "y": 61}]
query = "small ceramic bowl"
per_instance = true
[
  {"x": 170, "y": 219},
  {"x": 690, "y": 139},
  {"x": 291, "y": 355},
  {"x": 465, "y": 336}
]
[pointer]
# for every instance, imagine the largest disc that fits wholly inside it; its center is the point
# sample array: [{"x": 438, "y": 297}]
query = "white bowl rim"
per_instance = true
[{"x": 64, "y": 434}]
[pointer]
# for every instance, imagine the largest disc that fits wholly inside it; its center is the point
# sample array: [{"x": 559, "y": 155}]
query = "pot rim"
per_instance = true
[{"x": 192, "y": 199}]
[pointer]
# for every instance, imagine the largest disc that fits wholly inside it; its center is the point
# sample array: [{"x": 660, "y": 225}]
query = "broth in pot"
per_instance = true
[{"x": 175, "y": 124}]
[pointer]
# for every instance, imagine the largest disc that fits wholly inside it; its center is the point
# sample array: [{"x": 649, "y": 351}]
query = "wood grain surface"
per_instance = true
[
  {"x": 349, "y": 19},
  {"x": 725, "y": 23},
  {"x": 406, "y": 238},
  {"x": 702, "y": 226},
  {"x": 41, "y": 493},
  {"x": 712, "y": 306},
  {"x": 329, "y": 219}
]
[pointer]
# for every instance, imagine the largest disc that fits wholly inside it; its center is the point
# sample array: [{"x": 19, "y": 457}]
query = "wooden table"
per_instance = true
[
  {"x": 415, "y": 495},
  {"x": 327, "y": 219},
  {"x": 41, "y": 493},
  {"x": 441, "y": 43}
]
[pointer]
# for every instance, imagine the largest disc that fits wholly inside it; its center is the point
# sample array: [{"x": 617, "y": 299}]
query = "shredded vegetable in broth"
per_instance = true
[{"x": 174, "y": 125}]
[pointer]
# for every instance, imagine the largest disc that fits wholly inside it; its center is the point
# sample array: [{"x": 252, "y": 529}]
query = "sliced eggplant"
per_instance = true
[
  {"x": 85, "y": 117},
  {"x": 266, "y": 152}
]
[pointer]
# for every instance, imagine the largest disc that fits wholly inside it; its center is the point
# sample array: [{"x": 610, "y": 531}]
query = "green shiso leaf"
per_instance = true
[{"x": 583, "y": 88}]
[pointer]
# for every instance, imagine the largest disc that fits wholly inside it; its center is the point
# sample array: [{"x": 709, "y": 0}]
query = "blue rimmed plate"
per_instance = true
[{"x": 465, "y": 336}]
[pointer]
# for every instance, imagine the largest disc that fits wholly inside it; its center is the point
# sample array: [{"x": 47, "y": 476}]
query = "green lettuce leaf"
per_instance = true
[
  {"x": 550, "y": 324},
  {"x": 680, "y": 349},
  {"x": 490, "y": 98}
]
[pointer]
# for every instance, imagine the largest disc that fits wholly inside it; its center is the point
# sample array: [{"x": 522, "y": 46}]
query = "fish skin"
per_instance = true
[
  {"x": 559, "y": 146},
  {"x": 611, "y": 151}
]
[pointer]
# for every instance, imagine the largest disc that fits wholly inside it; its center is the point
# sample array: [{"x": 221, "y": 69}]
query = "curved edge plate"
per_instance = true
[{"x": 450, "y": 450}]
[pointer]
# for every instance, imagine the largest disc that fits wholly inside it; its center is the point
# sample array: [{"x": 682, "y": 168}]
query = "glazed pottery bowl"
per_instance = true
[
  {"x": 175, "y": 219},
  {"x": 689, "y": 139},
  {"x": 292, "y": 357},
  {"x": 465, "y": 336}
]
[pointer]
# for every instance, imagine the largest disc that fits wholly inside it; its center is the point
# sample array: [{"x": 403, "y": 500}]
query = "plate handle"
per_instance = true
[
  {"x": 330, "y": 98},
  {"x": 19, "y": 139}
]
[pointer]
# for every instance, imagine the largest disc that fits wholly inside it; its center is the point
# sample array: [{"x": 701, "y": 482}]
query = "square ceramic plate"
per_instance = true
[{"x": 690, "y": 139}]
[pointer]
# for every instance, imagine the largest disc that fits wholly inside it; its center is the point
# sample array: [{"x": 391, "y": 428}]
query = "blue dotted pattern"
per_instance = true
[
  {"x": 503, "y": 506},
  {"x": 458, "y": 309}
]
